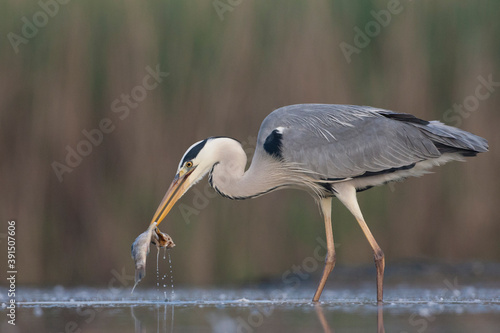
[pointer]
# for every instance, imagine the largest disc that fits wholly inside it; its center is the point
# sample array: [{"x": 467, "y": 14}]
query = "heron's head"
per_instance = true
[{"x": 197, "y": 161}]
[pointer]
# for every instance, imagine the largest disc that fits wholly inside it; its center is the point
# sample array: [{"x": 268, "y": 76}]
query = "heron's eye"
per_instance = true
[{"x": 189, "y": 164}]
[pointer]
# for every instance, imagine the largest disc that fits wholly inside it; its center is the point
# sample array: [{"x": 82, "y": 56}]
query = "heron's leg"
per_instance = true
[
  {"x": 326, "y": 208},
  {"x": 347, "y": 194}
]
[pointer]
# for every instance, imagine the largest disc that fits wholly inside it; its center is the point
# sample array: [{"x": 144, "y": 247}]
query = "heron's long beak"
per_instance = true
[{"x": 179, "y": 186}]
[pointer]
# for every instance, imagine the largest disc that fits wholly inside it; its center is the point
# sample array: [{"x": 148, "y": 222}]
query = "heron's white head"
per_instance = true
[{"x": 198, "y": 160}]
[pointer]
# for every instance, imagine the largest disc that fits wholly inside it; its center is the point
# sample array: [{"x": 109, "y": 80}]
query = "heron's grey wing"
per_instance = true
[{"x": 343, "y": 141}]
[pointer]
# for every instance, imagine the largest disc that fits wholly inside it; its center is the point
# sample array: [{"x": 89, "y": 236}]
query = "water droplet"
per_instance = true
[
  {"x": 157, "y": 274},
  {"x": 171, "y": 275}
]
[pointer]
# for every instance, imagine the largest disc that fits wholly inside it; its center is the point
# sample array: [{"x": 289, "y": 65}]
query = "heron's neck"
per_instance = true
[{"x": 228, "y": 176}]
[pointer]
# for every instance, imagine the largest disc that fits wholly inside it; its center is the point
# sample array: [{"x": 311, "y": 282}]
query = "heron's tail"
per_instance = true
[{"x": 448, "y": 139}]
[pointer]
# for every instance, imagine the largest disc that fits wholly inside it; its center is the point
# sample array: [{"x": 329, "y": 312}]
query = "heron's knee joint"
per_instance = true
[
  {"x": 330, "y": 258},
  {"x": 379, "y": 255}
]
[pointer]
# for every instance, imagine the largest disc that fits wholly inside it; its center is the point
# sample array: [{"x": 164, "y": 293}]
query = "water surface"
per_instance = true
[{"x": 407, "y": 308}]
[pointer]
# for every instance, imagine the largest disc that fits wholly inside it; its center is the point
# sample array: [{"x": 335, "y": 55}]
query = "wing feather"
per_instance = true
[{"x": 344, "y": 141}]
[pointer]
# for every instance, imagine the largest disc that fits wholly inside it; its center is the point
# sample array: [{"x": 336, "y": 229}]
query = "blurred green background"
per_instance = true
[{"x": 229, "y": 64}]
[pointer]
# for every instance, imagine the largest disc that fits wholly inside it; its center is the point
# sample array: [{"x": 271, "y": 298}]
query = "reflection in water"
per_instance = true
[
  {"x": 380, "y": 318},
  {"x": 328, "y": 329},
  {"x": 322, "y": 319},
  {"x": 138, "y": 323},
  {"x": 218, "y": 320},
  {"x": 162, "y": 321},
  {"x": 254, "y": 310}
]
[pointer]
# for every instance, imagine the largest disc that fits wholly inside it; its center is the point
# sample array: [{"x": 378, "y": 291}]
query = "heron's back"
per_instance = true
[{"x": 346, "y": 141}]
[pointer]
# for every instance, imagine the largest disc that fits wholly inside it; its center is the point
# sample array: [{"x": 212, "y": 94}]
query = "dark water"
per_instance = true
[{"x": 442, "y": 308}]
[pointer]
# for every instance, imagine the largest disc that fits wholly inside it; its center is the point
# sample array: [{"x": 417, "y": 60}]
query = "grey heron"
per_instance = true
[{"x": 329, "y": 151}]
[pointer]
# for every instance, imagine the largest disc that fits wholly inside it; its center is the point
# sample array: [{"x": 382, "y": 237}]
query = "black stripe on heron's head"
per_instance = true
[{"x": 194, "y": 151}]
